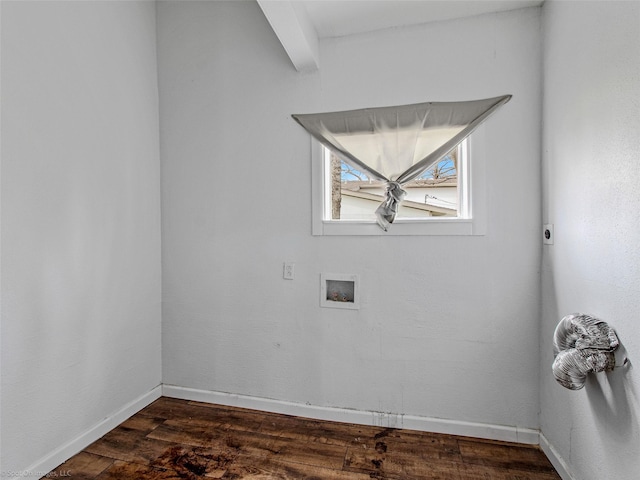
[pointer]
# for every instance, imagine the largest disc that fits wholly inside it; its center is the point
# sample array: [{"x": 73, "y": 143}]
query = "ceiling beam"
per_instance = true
[{"x": 294, "y": 29}]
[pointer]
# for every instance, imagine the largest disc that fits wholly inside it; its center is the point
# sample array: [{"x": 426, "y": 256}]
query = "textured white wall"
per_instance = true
[
  {"x": 592, "y": 195},
  {"x": 448, "y": 326},
  {"x": 80, "y": 219}
]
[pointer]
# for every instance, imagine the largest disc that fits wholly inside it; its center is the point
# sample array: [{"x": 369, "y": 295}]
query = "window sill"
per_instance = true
[{"x": 450, "y": 226}]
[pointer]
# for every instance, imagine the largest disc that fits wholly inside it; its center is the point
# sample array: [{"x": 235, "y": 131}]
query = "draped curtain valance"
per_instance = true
[{"x": 397, "y": 144}]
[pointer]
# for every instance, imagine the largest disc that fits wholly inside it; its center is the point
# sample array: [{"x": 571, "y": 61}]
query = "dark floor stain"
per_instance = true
[
  {"x": 377, "y": 463},
  {"x": 233, "y": 443},
  {"x": 194, "y": 463},
  {"x": 378, "y": 476},
  {"x": 383, "y": 433},
  {"x": 381, "y": 447},
  {"x": 231, "y": 476},
  {"x": 186, "y": 463},
  {"x": 195, "y": 468}
]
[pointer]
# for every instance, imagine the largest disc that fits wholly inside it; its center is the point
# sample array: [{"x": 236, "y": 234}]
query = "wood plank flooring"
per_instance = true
[{"x": 182, "y": 440}]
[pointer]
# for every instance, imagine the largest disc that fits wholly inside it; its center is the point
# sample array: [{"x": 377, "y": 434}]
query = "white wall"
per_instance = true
[
  {"x": 448, "y": 326},
  {"x": 450, "y": 331},
  {"x": 80, "y": 220},
  {"x": 591, "y": 194}
]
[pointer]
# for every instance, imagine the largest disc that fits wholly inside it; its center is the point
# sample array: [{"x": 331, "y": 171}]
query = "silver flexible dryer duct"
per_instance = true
[{"x": 582, "y": 344}]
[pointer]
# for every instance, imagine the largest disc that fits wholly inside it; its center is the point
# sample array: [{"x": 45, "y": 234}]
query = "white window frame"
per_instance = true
[{"x": 470, "y": 221}]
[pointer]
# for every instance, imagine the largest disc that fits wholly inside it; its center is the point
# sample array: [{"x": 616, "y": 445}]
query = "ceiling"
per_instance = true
[
  {"x": 333, "y": 18},
  {"x": 299, "y": 24}
]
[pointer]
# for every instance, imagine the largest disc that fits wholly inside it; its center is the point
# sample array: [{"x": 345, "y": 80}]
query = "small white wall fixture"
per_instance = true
[{"x": 339, "y": 291}]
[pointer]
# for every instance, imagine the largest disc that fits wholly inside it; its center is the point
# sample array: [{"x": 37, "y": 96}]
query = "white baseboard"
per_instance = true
[
  {"x": 379, "y": 419},
  {"x": 555, "y": 458},
  {"x": 61, "y": 454}
]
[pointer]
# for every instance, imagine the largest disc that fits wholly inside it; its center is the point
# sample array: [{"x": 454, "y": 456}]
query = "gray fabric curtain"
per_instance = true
[{"x": 397, "y": 144}]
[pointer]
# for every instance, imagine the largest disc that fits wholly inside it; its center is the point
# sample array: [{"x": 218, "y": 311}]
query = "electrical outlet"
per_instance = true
[
  {"x": 288, "y": 271},
  {"x": 547, "y": 234}
]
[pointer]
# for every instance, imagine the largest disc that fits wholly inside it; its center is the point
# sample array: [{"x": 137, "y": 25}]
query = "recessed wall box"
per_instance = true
[{"x": 339, "y": 291}]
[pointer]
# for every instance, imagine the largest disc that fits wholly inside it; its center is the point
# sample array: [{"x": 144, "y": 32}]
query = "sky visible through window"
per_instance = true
[{"x": 445, "y": 168}]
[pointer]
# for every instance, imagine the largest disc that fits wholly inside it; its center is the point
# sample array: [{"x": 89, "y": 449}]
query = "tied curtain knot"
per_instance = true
[{"x": 386, "y": 212}]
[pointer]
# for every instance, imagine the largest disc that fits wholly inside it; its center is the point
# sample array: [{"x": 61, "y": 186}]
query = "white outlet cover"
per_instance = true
[{"x": 288, "y": 270}]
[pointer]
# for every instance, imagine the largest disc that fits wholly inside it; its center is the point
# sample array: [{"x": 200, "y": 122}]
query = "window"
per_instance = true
[
  {"x": 396, "y": 146},
  {"x": 448, "y": 199},
  {"x": 439, "y": 192}
]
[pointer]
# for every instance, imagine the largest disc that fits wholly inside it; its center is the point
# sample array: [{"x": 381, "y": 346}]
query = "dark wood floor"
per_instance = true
[{"x": 178, "y": 439}]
